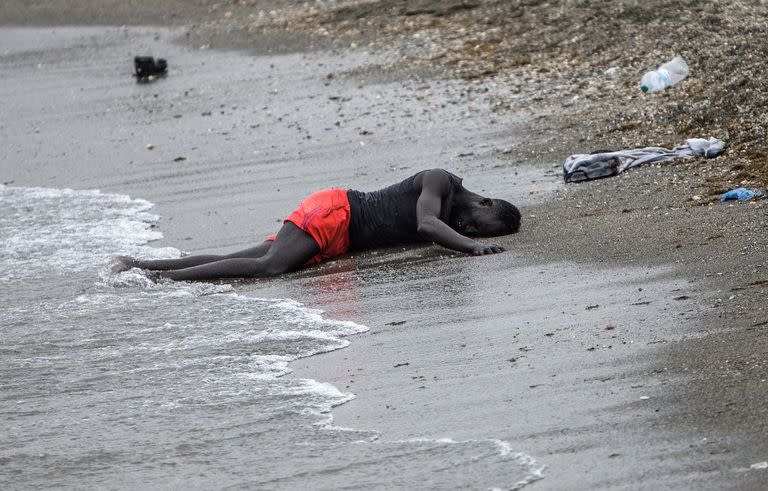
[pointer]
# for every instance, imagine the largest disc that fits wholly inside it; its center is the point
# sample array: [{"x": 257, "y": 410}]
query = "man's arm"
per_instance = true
[{"x": 435, "y": 185}]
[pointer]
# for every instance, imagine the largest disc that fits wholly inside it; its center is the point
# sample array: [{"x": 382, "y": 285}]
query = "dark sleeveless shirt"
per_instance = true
[{"x": 387, "y": 217}]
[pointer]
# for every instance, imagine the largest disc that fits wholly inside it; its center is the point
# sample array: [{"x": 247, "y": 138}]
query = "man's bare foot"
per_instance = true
[
  {"x": 118, "y": 264},
  {"x": 154, "y": 276}
]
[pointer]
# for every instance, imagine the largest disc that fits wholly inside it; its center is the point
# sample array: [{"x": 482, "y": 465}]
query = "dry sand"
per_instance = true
[{"x": 621, "y": 341}]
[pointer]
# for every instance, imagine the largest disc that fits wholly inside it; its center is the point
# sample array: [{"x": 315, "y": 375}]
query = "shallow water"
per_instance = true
[{"x": 121, "y": 382}]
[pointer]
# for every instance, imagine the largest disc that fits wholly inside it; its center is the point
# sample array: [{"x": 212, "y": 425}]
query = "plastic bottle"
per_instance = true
[{"x": 667, "y": 75}]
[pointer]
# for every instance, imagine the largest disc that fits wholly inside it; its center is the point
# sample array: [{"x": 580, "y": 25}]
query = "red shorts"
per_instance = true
[{"x": 325, "y": 217}]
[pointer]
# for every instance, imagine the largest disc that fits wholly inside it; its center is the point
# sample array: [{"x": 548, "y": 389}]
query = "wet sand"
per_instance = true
[{"x": 616, "y": 366}]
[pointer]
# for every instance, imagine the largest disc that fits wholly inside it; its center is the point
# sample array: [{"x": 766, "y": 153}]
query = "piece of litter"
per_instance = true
[
  {"x": 644, "y": 398},
  {"x": 667, "y": 75},
  {"x": 741, "y": 194},
  {"x": 148, "y": 68},
  {"x": 150, "y": 146},
  {"x": 585, "y": 167},
  {"x": 759, "y": 465}
]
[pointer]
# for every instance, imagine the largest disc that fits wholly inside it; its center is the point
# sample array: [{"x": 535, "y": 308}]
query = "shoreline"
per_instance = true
[{"x": 717, "y": 373}]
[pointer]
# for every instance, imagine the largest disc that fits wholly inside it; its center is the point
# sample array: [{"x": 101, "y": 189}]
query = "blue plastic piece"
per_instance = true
[{"x": 741, "y": 194}]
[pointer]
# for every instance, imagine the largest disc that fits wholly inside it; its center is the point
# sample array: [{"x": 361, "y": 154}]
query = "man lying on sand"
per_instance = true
[{"x": 429, "y": 206}]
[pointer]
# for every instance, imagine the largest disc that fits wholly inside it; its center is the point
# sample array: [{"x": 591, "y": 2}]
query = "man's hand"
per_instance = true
[
  {"x": 482, "y": 249},
  {"x": 435, "y": 185}
]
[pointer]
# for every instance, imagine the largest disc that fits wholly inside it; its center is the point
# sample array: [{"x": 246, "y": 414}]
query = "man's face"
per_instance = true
[{"x": 479, "y": 220}]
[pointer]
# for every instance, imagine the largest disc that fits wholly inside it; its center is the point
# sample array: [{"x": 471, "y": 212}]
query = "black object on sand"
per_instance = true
[{"x": 147, "y": 68}]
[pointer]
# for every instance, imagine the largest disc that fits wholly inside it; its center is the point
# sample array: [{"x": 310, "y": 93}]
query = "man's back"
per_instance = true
[{"x": 387, "y": 217}]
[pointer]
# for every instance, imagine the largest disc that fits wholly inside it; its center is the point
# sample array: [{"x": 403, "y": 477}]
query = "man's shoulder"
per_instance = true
[
  {"x": 437, "y": 181},
  {"x": 441, "y": 175}
]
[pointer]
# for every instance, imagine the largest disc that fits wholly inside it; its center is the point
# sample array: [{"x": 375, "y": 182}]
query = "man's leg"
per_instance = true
[
  {"x": 123, "y": 263},
  {"x": 290, "y": 250}
]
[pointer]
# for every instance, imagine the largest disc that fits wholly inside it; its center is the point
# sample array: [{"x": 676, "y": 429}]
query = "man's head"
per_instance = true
[{"x": 485, "y": 217}]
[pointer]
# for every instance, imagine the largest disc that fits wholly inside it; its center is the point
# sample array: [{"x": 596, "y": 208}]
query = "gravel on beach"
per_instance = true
[{"x": 581, "y": 59}]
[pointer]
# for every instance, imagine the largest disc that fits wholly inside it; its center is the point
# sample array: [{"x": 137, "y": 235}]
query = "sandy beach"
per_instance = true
[{"x": 620, "y": 339}]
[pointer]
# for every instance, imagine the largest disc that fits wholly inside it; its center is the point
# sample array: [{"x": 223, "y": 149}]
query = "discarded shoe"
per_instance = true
[{"x": 147, "y": 68}]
